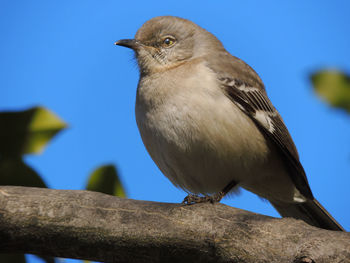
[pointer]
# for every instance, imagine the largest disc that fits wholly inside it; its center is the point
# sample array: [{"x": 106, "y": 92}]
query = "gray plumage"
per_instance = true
[{"x": 205, "y": 119}]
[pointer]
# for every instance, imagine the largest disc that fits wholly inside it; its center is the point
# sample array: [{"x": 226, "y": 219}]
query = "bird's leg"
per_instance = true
[{"x": 193, "y": 199}]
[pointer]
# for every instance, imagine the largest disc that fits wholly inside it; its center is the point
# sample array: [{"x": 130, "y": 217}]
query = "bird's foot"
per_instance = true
[{"x": 194, "y": 199}]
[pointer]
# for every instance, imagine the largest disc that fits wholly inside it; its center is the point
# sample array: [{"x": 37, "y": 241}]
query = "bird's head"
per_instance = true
[{"x": 166, "y": 41}]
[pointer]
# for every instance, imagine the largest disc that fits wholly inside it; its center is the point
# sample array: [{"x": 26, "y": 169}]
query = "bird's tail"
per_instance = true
[{"x": 311, "y": 211}]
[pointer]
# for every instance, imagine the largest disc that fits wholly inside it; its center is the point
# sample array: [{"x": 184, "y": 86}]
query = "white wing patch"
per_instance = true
[
  {"x": 265, "y": 120},
  {"x": 246, "y": 88},
  {"x": 239, "y": 85}
]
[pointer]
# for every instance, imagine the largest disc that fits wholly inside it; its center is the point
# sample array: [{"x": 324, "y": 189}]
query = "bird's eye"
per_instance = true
[{"x": 168, "y": 42}]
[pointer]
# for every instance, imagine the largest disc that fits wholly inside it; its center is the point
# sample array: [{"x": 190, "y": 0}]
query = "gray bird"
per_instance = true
[{"x": 205, "y": 119}]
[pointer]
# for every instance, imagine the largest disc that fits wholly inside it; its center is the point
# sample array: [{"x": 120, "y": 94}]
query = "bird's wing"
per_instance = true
[{"x": 254, "y": 102}]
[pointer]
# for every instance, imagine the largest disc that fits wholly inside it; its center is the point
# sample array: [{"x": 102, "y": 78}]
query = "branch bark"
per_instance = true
[{"x": 94, "y": 226}]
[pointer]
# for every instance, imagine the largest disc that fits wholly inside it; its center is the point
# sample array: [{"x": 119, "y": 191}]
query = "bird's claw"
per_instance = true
[{"x": 194, "y": 199}]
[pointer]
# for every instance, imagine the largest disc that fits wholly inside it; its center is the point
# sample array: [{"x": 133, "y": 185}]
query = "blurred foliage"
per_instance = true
[
  {"x": 25, "y": 132},
  {"x": 105, "y": 180},
  {"x": 13, "y": 171},
  {"x": 28, "y": 132},
  {"x": 334, "y": 87}
]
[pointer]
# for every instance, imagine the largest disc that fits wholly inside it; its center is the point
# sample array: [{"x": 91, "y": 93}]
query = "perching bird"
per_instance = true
[{"x": 205, "y": 119}]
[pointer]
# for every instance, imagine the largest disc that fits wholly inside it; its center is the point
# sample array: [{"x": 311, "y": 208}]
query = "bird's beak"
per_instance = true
[{"x": 129, "y": 43}]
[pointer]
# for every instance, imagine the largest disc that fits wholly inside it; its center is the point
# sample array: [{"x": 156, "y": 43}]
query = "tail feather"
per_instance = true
[{"x": 311, "y": 211}]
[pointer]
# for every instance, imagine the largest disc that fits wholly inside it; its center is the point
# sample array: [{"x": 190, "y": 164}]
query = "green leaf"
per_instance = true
[
  {"x": 28, "y": 131},
  {"x": 12, "y": 258},
  {"x": 105, "y": 180},
  {"x": 13, "y": 171},
  {"x": 333, "y": 87}
]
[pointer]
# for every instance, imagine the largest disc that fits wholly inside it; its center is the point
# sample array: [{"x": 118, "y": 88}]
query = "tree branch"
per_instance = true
[{"x": 94, "y": 226}]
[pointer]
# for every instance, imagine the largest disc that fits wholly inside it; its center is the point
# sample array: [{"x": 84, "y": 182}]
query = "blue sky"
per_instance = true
[{"x": 61, "y": 55}]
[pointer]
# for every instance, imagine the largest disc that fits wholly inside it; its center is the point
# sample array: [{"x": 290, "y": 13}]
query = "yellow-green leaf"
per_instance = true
[
  {"x": 334, "y": 87},
  {"x": 28, "y": 131},
  {"x": 105, "y": 180}
]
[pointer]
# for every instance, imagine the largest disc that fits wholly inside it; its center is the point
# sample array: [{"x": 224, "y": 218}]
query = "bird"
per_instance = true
[{"x": 206, "y": 120}]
